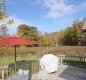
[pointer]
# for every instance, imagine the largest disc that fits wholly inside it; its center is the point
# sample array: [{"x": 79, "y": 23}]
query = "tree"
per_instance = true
[
  {"x": 34, "y": 33},
  {"x": 3, "y": 11},
  {"x": 29, "y": 32},
  {"x": 44, "y": 40},
  {"x": 61, "y": 37},
  {"x": 73, "y": 35},
  {"x": 78, "y": 25},
  {"x": 70, "y": 37},
  {"x": 49, "y": 39},
  {"x": 3, "y": 30},
  {"x": 3, "y": 16}
]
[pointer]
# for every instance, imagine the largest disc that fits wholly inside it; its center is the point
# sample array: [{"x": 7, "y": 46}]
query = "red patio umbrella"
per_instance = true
[{"x": 14, "y": 41}]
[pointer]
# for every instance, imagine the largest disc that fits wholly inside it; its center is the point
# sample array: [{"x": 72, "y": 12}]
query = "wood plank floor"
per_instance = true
[{"x": 65, "y": 72}]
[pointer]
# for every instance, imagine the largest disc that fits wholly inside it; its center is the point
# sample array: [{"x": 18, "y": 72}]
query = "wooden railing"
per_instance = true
[
  {"x": 33, "y": 65},
  {"x": 79, "y": 61},
  {"x": 7, "y": 70}
]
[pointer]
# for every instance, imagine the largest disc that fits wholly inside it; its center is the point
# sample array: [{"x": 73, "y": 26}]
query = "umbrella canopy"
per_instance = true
[{"x": 14, "y": 41}]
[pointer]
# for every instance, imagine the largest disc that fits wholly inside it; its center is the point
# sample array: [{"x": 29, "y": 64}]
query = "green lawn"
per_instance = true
[
  {"x": 31, "y": 53},
  {"x": 7, "y": 60}
]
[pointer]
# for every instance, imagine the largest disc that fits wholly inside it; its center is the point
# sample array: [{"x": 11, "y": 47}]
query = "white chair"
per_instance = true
[
  {"x": 25, "y": 72},
  {"x": 43, "y": 75},
  {"x": 20, "y": 72}
]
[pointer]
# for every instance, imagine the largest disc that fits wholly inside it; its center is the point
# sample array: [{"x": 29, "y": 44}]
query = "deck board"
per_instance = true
[{"x": 65, "y": 72}]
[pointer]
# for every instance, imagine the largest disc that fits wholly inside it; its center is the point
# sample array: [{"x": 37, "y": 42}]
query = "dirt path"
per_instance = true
[{"x": 65, "y": 72}]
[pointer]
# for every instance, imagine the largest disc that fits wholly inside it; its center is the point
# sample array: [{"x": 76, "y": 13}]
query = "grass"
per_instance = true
[
  {"x": 7, "y": 60},
  {"x": 31, "y": 53}
]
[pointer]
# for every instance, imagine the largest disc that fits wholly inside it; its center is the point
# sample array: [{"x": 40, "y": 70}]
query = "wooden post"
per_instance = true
[
  {"x": 15, "y": 57},
  {"x": 2, "y": 68},
  {"x": 2, "y": 74},
  {"x": 61, "y": 60},
  {"x": 80, "y": 62}
]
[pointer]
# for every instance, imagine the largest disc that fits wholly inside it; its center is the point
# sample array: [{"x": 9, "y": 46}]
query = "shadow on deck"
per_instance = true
[{"x": 65, "y": 72}]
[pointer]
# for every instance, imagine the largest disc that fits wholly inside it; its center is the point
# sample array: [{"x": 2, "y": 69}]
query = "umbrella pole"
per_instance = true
[
  {"x": 15, "y": 53},
  {"x": 15, "y": 58}
]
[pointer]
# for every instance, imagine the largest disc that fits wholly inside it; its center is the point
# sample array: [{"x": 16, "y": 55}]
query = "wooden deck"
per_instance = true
[{"x": 65, "y": 72}]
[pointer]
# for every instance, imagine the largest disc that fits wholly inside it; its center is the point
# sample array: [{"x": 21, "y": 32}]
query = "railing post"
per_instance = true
[
  {"x": 30, "y": 67},
  {"x": 2, "y": 74},
  {"x": 2, "y": 70},
  {"x": 61, "y": 57},
  {"x": 80, "y": 61},
  {"x": 61, "y": 60}
]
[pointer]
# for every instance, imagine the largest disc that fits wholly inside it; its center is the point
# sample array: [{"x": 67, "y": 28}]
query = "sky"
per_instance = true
[{"x": 47, "y": 15}]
